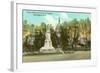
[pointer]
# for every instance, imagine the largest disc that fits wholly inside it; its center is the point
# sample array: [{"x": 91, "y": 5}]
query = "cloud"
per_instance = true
[
  {"x": 51, "y": 20},
  {"x": 64, "y": 17}
]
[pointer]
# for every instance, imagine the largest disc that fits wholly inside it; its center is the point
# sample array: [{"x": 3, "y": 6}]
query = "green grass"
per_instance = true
[{"x": 77, "y": 55}]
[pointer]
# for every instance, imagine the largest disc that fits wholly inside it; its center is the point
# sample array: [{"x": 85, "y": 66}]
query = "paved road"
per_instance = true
[{"x": 58, "y": 57}]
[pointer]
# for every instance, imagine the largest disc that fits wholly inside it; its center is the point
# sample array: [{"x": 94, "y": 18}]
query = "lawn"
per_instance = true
[{"x": 77, "y": 55}]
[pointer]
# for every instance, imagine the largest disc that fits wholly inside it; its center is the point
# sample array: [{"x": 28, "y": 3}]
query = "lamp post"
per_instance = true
[{"x": 58, "y": 33}]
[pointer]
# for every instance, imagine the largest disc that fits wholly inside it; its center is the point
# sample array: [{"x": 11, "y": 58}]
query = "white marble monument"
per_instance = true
[{"x": 47, "y": 48}]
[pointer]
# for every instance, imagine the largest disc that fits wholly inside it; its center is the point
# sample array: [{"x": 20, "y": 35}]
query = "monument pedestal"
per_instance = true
[{"x": 46, "y": 49}]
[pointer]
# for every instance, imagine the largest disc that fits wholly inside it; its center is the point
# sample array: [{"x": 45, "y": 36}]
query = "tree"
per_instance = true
[{"x": 73, "y": 33}]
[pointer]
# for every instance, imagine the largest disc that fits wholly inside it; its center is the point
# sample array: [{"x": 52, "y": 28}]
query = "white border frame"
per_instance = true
[{"x": 16, "y": 51}]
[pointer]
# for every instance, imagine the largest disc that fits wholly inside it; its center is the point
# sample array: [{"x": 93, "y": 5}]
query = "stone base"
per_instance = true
[{"x": 47, "y": 50}]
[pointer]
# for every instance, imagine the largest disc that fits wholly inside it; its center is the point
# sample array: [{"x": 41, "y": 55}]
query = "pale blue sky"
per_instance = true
[{"x": 51, "y": 17}]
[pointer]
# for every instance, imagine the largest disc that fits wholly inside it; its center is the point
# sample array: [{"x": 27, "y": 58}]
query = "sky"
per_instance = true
[{"x": 51, "y": 17}]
